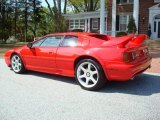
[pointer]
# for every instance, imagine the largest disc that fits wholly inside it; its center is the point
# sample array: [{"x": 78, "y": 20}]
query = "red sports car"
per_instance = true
[{"x": 93, "y": 59}]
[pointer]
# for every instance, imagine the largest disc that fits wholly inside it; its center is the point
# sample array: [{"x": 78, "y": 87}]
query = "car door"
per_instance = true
[
  {"x": 42, "y": 54},
  {"x": 66, "y": 54}
]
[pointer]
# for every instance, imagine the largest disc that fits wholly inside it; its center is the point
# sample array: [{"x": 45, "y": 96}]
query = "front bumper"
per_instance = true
[{"x": 124, "y": 72}]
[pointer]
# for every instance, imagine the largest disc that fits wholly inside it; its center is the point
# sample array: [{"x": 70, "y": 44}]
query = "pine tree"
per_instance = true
[{"x": 132, "y": 26}]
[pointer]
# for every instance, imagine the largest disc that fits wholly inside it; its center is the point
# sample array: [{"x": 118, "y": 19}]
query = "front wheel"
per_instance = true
[
  {"x": 90, "y": 75},
  {"x": 17, "y": 64}
]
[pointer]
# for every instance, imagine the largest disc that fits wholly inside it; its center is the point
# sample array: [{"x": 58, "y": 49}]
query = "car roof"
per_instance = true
[{"x": 73, "y": 33}]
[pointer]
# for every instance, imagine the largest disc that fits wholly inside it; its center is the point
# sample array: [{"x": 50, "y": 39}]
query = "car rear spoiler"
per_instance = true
[{"x": 126, "y": 41}]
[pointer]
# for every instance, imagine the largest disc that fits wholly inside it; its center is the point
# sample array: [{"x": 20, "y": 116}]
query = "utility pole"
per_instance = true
[{"x": 102, "y": 16}]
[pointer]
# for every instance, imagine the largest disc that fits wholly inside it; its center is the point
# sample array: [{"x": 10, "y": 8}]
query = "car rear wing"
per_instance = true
[{"x": 126, "y": 41}]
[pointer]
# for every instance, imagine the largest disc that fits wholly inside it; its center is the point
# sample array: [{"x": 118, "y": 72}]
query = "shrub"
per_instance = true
[
  {"x": 77, "y": 30},
  {"x": 119, "y": 34}
]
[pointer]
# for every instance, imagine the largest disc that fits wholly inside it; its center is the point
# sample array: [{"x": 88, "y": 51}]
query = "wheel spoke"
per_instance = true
[
  {"x": 82, "y": 76},
  {"x": 83, "y": 69},
  {"x": 89, "y": 66},
  {"x": 93, "y": 80},
  {"x": 94, "y": 72},
  {"x": 87, "y": 81},
  {"x": 19, "y": 64}
]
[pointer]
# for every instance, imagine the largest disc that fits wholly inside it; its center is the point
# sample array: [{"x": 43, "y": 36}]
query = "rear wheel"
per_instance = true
[
  {"x": 90, "y": 75},
  {"x": 17, "y": 64}
]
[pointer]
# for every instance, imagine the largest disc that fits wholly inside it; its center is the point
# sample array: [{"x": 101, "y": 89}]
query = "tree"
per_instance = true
[
  {"x": 84, "y": 5},
  {"x": 29, "y": 14},
  {"x": 56, "y": 15},
  {"x": 132, "y": 26},
  {"x": 35, "y": 16},
  {"x": 26, "y": 19},
  {"x": 5, "y": 19}
]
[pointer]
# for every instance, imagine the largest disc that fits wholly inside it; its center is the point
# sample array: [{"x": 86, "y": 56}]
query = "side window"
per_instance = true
[
  {"x": 52, "y": 41},
  {"x": 70, "y": 41},
  {"x": 38, "y": 43}
]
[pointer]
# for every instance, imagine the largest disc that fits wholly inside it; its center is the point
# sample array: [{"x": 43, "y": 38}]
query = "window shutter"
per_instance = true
[
  {"x": 118, "y": 1},
  {"x": 117, "y": 23}
]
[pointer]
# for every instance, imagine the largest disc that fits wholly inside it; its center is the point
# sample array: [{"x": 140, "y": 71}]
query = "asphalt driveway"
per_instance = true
[{"x": 38, "y": 96}]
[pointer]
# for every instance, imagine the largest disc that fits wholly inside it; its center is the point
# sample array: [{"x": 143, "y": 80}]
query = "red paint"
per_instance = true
[{"x": 107, "y": 50}]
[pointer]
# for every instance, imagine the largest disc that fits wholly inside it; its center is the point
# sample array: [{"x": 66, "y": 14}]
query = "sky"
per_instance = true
[{"x": 44, "y": 3}]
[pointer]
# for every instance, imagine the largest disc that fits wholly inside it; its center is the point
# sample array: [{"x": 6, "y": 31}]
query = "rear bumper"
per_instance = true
[{"x": 124, "y": 72}]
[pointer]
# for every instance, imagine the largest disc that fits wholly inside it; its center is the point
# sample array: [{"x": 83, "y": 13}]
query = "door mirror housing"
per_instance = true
[{"x": 29, "y": 45}]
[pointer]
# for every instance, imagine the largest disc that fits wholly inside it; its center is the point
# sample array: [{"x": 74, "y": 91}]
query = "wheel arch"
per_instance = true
[
  {"x": 88, "y": 57},
  {"x": 15, "y": 53},
  {"x": 84, "y": 57}
]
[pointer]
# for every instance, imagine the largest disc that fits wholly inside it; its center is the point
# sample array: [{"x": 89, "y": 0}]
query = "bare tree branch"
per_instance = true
[{"x": 49, "y": 7}]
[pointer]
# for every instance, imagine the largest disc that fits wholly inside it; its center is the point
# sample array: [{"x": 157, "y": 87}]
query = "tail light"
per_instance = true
[
  {"x": 129, "y": 56},
  {"x": 146, "y": 51}
]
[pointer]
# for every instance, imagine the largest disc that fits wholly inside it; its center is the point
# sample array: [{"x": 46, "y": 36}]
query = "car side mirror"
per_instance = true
[{"x": 29, "y": 45}]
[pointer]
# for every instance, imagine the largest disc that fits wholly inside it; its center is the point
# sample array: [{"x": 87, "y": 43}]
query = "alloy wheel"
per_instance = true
[
  {"x": 16, "y": 63},
  {"x": 87, "y": 74}
]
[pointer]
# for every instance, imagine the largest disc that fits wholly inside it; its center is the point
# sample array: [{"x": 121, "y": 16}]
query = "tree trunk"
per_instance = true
[
  {"x": 15, "y": 24},
  {"x": 26, "y": 21},
  {"x": 59, "y": 7},
  {"x": 50, "y": 9},
  {"x": 65, "y": 7},
  {"x": 35, "y": 24}
]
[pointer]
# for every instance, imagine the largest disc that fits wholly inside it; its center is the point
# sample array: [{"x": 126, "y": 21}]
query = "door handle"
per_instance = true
[{"x": 50, "y": 52}]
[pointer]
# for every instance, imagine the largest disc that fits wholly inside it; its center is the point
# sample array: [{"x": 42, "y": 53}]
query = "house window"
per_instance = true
[
  {"x": 82, "y": 24},
  {"x": 71, "y": 24},
  {"x": 123, "y": 22},
  {"x": 76, "y": 24},
  {"x": 155, "y": 26},
  {"x": 95, "y": 23},
  {"x": 126, "y": 1}
]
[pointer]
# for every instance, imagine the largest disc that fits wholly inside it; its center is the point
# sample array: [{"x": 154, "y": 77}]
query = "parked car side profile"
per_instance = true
[{"x": 93, "y": 59}]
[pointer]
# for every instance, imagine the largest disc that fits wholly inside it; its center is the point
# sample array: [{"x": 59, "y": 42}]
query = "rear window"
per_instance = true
[
  {"x": 102, "y": 37},
  {"x": 70, "y": 41}
]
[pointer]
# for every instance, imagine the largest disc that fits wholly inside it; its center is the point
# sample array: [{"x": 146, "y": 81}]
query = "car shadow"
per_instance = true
[
  {"x": 143, "y": 85},
  {"x": 52, "y": 77}
]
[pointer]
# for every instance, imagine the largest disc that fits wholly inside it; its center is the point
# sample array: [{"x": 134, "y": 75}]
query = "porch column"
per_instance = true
[
  {"x": 86, "y": 26},
  {"x": 114, "y": 17},
  {"x": 102, "y": 16},
  {"x": 136, "y": 13},
  {"x": 89, "y": 24}
]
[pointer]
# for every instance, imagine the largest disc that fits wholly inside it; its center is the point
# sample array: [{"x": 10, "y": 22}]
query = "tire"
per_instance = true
[
  {"x": 17, "y": 64},
  {"x": 89, "y": 74}
]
